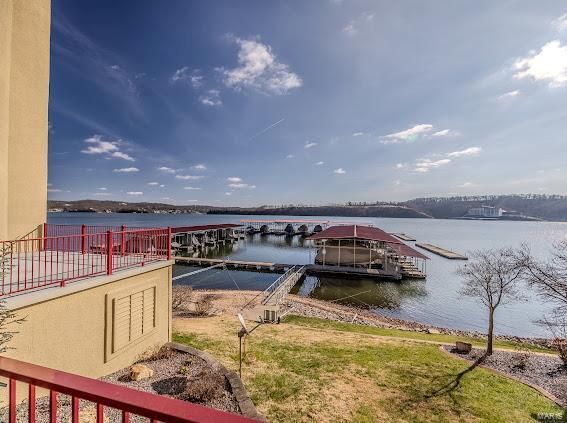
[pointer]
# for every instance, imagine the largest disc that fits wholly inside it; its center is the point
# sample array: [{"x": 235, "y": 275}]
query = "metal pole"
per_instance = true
[
  {"x": 168, "y": 240},
  {"x": 83, "y": 239},
  {"x": 109, "y": 253}
]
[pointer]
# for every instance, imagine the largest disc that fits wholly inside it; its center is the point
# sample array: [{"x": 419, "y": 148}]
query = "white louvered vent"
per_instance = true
[{"x": 134, "y": 316}]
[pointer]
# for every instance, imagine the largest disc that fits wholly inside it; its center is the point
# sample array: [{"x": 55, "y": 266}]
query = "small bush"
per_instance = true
[
  {"x": 204, "y": 305},
  {"x": 560, "y": 345},
  {"x": 205, "y": 387},
  {"x": 156, "y": 353},
  {"x": 181, "y": 297},
  {"x": 521, "y": 360}
]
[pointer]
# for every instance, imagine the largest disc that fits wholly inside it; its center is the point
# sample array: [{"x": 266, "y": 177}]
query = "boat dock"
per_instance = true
[
  {"x": 309, "y": 269},
  {"x": 451, "y": 255},
  {"x": 404, "y": 237}
]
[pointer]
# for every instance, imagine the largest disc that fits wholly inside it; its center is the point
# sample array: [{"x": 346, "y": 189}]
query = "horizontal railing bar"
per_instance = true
[{"x": 167, "y": 410}]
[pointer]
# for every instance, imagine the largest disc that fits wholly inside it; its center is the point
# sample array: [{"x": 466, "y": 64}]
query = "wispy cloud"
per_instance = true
[
  {"x": 236, "y": 182},
  {"x": 234, "y": 179},
  {"x": 259, "y": 69},
  {"x": 549, "y": 64},
  {"x": 471, "y": 151},
  {"x": 189, "y": 177},
  {"x": 509, "y": 95},
  {"x": 319, "y": 163},
  {"x": 560, "y": 23},
  {"x": 192, "y": 77},
  {"x": 425, "y": 165},
  {"x": 289, "y": 156},
  {"x": 192, "y": 188},
  {"x": 358, "y": 134},
  {"x": 199, "y": 167},
  {"x": 354, "y": 25},
  {"x": 166, "y": 169},
  {"x": 339, "y": 171},
  {"x": 211, "y": 98},
  {"x": 310, "y": 144},
  {"x": 126, "y": 170},
  {"x": 444, "y": 133},
  {"x": 96, "y": 145},
  {"x": 407, "y": 135},
  {"x": 135, "y": 193},
  {"x": 153, "y": 184},
  {"x": 467, "y": 185}
]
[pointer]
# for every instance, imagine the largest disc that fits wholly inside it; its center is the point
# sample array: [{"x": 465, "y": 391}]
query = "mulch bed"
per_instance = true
[
  {"x": 542, "y": 370},
  {"x": 176, "y": 375}
]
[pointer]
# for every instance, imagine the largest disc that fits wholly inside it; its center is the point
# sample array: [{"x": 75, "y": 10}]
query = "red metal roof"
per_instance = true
[
  {"x": 201, "y": 228},
  {"x": 406, "y": 250},
  {"x": 355, "y": 231},
  {"x": 369, "y": 234}
]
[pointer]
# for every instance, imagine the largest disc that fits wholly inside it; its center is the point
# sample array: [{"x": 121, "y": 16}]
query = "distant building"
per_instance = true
[{"x": 484, "y": 212}]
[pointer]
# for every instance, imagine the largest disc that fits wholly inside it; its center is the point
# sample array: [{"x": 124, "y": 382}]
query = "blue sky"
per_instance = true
[{"x": 313, "y": 102}]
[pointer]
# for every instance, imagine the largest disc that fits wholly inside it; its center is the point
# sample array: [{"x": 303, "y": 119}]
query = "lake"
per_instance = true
[{"x": 435, "y": 300}]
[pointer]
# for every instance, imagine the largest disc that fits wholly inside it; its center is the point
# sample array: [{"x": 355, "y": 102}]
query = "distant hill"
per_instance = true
[{"x": 546, "y": 207}]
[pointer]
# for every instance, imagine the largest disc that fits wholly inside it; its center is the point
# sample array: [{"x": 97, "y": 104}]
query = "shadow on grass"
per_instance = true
[{"x": 455, "y": 382}]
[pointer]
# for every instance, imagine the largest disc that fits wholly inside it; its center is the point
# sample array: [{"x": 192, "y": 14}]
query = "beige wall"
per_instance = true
[
  {"x": 71, "y": 328},
  {"x": 24, "y": 92}
]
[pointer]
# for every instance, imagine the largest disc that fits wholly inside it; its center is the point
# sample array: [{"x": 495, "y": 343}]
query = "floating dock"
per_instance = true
[
  {"x": 404, "y": 237},
  {"x": 310, "y": 269},
  {"x": 441, "y": 252}
]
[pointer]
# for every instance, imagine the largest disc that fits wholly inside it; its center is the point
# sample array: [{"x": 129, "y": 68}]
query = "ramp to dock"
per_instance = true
[{"x": 277, "y": 291}]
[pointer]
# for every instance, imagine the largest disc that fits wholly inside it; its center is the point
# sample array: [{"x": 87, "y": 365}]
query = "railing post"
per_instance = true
[
  {"x": 45, "y": 236},
  {"x": 109, "y": 252},
  {"x": 83, "y": 239},
  {"x": 168, "y": 240},
  {"x": 122, "y": 240}
]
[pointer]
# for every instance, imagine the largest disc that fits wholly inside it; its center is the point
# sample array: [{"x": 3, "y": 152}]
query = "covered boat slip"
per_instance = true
[{"x": 364, "y": 250}]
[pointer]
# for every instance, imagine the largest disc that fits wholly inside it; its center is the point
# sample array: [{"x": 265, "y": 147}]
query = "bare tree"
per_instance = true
[
  {"x": 181, "y": 297},
  {"x": 491, "y": 276},
  {"x": 7, "y": 320},
  {"x": 549, "y": 277}
]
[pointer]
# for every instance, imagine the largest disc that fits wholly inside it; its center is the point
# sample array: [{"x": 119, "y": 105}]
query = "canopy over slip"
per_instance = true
[{"x": 366, "y": 233}]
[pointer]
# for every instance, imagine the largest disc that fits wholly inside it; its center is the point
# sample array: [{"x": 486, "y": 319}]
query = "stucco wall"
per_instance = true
[
  {"x": 24, "y": 93},
  {"x": 70, "y": 328}
]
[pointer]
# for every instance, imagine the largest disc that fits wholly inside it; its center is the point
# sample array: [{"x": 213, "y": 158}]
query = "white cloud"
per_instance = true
[
  {"x": 471, "y": 151},
  {"x": 228, "y": 193},
  {"x": 340, "y": 171},
  {"x": 425, "y": 165},
  {"x": 102, "y": 194},
  {"x": 211, "y": 98},
  {"x": 109, "y": 148},
  {"x": 121, "y": 155},
  {"x": 102, "y": 189},
  {"x": 54, "y": 190},
  {"x": 550, "y": 64},
  {"x": 560, "y": 23},
  {"x": 126, "y": 170},
  {"x": 397, "y": 182},
  {"x": 234, "y": 179},
  {"x": 358, "y": 134},
  {"x": 192, "y": 77},
  {"x": 509, "y": 95},
  {"x": 200, "y": 167},
  {"x": 408, "y": 135},
  {"x": 135, "y": 193},
  {"x": 188, "y": 177},
  {"x": 353, "y": 26},
  {"x": 161, "y": 185},
  {"x": 192, "y": 188},
  {"x": 259, "y": 69},
  {"x": 310, "y": 144},
  {"x": 319, "y": 163},
  {"x": 289, "y": 156},
  {"x": 166, "y": 169},
  {"x": 444, "y": 133},
  {"x": 467, "y": 185},
  {"x": 153, "y": 184},
  {"x": 400, "y": 166},
  {"x": 241, "y": 185}
]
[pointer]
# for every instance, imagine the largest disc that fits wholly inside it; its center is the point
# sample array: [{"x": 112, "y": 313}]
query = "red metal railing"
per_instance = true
[
  {"x": 129, "y": 402},
  {"x": 55, "y": 260}
]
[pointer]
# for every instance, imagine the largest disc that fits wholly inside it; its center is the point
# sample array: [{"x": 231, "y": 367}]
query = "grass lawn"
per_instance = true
[{"x": 316, "y": 370}]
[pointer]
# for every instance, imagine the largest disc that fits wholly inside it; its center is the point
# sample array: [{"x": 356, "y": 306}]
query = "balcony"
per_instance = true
[
  {"x": 111, "y": 402},
  {"x": 68, "y": 253}
]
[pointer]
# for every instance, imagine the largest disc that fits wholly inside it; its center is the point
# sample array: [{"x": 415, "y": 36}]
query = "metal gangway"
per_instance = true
[{"x": 277, "y": 291}]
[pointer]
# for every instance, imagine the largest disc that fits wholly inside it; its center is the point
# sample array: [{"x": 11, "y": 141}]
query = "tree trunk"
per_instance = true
[{"x": 490, "y": 331}]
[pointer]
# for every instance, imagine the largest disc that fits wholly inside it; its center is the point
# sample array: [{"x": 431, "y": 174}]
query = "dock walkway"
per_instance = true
[
  {"x": 451, "y": 255},
  {"x": 404, "y": 237}
]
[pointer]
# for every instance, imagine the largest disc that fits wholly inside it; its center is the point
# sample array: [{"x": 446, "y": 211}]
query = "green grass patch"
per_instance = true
[{"x": 422, "y": 336}]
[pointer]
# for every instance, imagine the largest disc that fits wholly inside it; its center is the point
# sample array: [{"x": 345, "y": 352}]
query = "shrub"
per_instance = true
[
  {"x": 204, "y": 305},
  {"x": 521, "y": 360},
  {"x": 206, "y": 386},
  {"x": 181, "y": 297}
]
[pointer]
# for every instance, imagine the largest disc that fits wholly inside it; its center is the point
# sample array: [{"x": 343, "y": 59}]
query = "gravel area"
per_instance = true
[
  {"x": 179, "y": 375},
  {"x": 545, "y": 371}
]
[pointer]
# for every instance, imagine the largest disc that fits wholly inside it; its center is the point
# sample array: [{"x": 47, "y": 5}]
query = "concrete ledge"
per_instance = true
[
  {"x": 245, "y": 404},
  {"x": 42, "y": 294},
  {"x": 542, "y": 391}
]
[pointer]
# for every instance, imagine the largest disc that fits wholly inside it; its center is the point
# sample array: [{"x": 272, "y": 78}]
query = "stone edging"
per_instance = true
[
  {"x": 245, "y": 404},
  {"x": 542, "y": 391}
]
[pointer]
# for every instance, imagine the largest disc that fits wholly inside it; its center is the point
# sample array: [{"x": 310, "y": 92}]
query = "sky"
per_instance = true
[{"x": 314, "y": 102}]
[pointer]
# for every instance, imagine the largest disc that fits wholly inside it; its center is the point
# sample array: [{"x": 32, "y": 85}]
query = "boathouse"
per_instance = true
[{"x": 360, "y": 248}]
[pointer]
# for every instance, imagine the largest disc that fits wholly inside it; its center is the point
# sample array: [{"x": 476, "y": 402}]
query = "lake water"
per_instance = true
[{"x": 435, "y": 300}]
